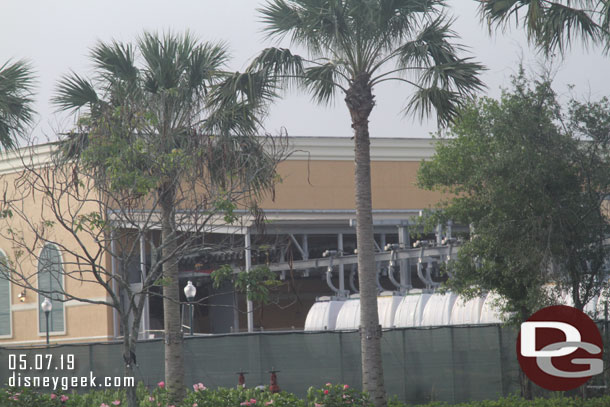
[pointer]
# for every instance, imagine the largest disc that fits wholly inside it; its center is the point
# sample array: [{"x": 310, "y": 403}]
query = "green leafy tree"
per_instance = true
[
  {"x": 353, "y": 46},
  {"x": 552, "y": 25},
  {"x": 531, "y": 179},
  {"x": 159, "y": 119},
  {"x": 15, "y": 101}
]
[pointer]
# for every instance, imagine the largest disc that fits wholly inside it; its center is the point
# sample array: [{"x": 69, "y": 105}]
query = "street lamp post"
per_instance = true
[
  {"x": 189, "y": 292},
  {"x": 47, "y": 307}
]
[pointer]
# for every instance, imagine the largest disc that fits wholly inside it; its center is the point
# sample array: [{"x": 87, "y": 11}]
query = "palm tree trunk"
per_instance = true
[
  {"x": 359, "y": 100},
  {"x": 174, "y": 358}
]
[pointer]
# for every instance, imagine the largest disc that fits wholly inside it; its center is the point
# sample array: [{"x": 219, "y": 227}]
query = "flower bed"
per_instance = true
[{"x": 331, "y": 395}]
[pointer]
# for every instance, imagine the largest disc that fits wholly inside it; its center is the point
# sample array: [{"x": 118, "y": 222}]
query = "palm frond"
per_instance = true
[
  {"x": 446, "y": 87},
  {"x": 432, "y": 45},
  {"x": 322, "y": 81},
  {"x": 204, "y": 62},
  {"x": 561, "y": 24},
  {"x": 551, "y": 25},
  {"x": 239, "y": 118},
  {"x": 461, "y": 75},
  {"x": 499, "y": 12},
  {"x": 253, "y": 87},
  {"x": 73, "y": 92},
  {"x": 166, "y": 57},
  {"x": 281, "y": 64},
  {"x": 237, "y": 103},
  {"x": 399, "y": 19},
  {"x": 317, "y": 25},
  {"x": 445, "y": 102},
  {"x": 280, "y": 17},
  {"x": 115, "y": 60},
  {"x": 16, "y": 85}
]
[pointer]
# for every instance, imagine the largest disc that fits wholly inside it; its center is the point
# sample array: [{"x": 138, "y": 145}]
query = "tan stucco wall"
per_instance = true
[
  {"x": 330, "y": 185},
  {"x": 84, "y": 323},
  {"x": 81, "y": 320},
  {"x": 325, "y": 181}
]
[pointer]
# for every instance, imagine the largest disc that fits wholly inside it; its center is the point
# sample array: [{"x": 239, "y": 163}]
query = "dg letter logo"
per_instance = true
[{"x": 560, "y": 348}]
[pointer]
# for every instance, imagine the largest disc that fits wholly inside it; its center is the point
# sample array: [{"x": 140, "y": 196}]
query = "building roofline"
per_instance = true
[
  {"x": 302, "y": 148},
  {"x": 12, "y": 161},
  {"x": 342, "y": 148}
]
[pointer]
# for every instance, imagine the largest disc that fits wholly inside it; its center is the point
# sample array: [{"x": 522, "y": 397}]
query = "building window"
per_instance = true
[
  {"x": 5, "y": 298},
  {"x": 50, "y": 280}
]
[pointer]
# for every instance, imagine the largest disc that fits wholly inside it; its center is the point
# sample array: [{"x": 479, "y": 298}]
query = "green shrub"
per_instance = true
[
  {"x": 338, "y": 395},
  {"x": 328, "y": 396}
]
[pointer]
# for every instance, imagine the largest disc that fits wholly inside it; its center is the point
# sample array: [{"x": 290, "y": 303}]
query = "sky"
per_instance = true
[{"x": 55, "y": 36}]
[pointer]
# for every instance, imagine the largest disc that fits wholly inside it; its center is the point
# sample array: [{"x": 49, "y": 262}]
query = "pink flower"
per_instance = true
[
  {"x": 53, "y": 396},
  {"x": 328, "y": 384},
  {"x": 195, "y": 405},
  {"x": 151, "y": 398},
  {"x": 345, "y": 387},
  {"x": 161, "y": 384},
  {"x": 199, "y": 386},
  {"x": 318, "y": 405},
  {"x": 116, "y": 402},
  {"x": 252, "y": 401},
  {"x": 104, "y": 405},
  {"x": 326, "y": 391},
  {"x": 245, "y": 403},
  {"x": 268, "y": 403},
  {"x": 64, "y": 398}
]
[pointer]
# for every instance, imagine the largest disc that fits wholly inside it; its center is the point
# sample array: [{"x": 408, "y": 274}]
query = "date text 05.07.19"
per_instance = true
[{"x": 40, "y": 361}]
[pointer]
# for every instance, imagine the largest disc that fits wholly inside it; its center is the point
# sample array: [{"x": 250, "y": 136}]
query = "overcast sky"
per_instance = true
[{"x": 56, "y": 36}]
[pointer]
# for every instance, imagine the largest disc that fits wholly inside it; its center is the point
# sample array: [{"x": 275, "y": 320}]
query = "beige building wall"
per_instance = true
[
  {"x": 330, "y": 185},
  {"x": 82, "y": 321},
  {"x": 317, "y": 176}
]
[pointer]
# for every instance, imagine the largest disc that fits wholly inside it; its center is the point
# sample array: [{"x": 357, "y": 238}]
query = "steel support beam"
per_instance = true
[
  {"x": 401, "y": 254},
  {"x": 145, "y": 319},
  {"x": 404, "y": 242},
  {"x": 249, "y": 305}
]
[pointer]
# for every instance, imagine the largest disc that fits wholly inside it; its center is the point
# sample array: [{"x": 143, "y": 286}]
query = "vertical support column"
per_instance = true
[
  {"x": 305, "y": 251},
  {"x": 235, "y": 310},
  {"x": 341, "y": 266},
  {"x": 449, "y": 229},
  {"x": 305, "y": 246},
  {"x": 439, "y": 234},
  {"x": 145, "y": 320},
  {"x": 249, "y": 306},
  {"x": 404, "y": 240},
  {"x": 382, "y": 241},
  {"x": 113, "y": 266}
]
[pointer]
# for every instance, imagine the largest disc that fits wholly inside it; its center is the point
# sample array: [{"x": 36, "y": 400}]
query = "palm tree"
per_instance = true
[
  {"x": 165, "y": 104},
  {"x": 353, "y": 46},
  {"x": 552, "y": 25},
  {"x": 15, "y": 101}
]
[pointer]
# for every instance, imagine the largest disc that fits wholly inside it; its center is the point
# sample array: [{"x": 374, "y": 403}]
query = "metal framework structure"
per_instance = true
[{"x": 298, "y": 226}]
